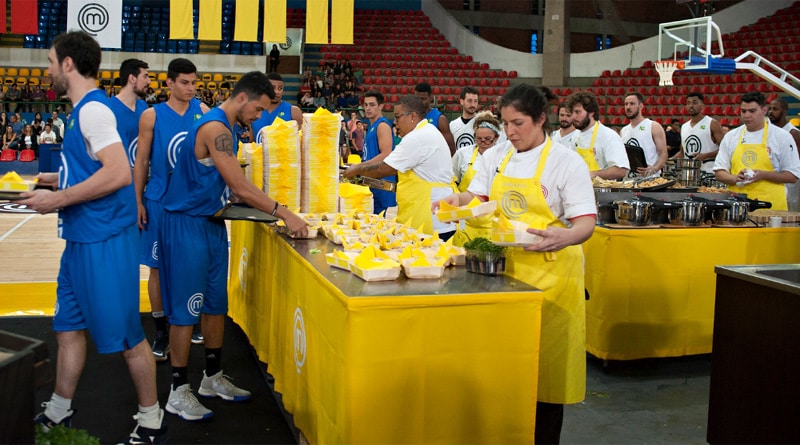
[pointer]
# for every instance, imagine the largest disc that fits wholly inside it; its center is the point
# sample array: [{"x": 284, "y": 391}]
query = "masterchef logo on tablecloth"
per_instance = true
[
  {"x": 299, "y": 333},
  {"x": 194, "y": 304},
  {"x": 692, "y": 146},
  {"x": 749, "y": 158},
  {"x": 243, "y": 270}
]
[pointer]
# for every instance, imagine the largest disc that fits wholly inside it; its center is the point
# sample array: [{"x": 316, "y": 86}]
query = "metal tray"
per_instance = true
[{"x": 10, "y": 195}]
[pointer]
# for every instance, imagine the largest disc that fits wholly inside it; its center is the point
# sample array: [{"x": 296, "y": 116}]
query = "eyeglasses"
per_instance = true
[
  {"x": 398, "y": 116},
  {"x": 484, "y": 139}
]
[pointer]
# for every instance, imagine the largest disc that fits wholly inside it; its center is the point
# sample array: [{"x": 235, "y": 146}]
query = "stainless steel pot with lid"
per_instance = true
[
  {"x": 633, "y": 212},
  {"x": 689, "y": 212},
  {"x": 734, "y": 214}
]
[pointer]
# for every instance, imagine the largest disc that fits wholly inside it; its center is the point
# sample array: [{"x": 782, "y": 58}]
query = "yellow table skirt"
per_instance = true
[
  {"x": 399, "y": 369},
  {"x": 652, "y": 291}
]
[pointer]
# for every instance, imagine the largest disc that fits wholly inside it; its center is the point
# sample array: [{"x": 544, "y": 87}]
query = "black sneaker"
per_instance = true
[
  {"x": 142, "y": 435},
  {"x": 197, "y": 336},
  {"x": 47, "y": 424},
  {"x": 161, "y": 347}
]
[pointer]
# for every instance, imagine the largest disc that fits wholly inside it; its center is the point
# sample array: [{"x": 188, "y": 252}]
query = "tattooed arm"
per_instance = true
[
  {"x": 378, "y": 170},
  {"x": 215, "y": 141}
]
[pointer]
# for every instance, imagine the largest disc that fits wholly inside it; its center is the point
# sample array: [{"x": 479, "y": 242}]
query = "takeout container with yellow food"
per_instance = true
[
  {"x": 340, "y": 259},
  {"x": 474, "y": 209},
  {"x": 507, "y": 232},
  {"x": 373, "y": 265},
  {"x": 12, "y": 182},
  {"x": 424, "y": 267}
]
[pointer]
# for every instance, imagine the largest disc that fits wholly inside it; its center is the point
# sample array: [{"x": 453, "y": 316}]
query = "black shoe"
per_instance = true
[
  {"x": 197, "y": 337},
  {"x": 142, "y": 435},
  {"x": 161, "y": 347},
  {"x": 47, "y": 424}
]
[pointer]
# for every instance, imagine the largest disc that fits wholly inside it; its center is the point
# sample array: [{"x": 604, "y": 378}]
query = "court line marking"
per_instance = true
[{"x": 14, "y": 229}]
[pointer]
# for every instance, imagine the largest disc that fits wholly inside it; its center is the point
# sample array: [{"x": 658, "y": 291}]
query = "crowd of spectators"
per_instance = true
[
  {"x": 29, "y": 99},
  {"x": 18, "y": 134},
  {"x": 333, "y": 86}
]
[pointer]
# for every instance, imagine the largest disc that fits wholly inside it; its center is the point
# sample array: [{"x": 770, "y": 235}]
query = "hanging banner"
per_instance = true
[
  {"x": 246, "y": 21},
  {"x": 24, "y": 17},
  {"x": 275, "y": 21},
  {"x": 101, "y": 19},
  {"x": 210, "y": 26},
  {"x": 342, "y": 21},
  {"x": 317, "y": 21},
  {"x": 181, "y": 20}
]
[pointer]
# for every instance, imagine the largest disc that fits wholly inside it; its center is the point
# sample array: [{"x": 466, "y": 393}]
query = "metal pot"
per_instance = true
[
  {"x": 633, "y": 212},
  {"x": 689, "y": 177},
  {"x": 735, "y": 214},
  {"x": 688, "y": 213},
  {"x": 688, "y": 163}
]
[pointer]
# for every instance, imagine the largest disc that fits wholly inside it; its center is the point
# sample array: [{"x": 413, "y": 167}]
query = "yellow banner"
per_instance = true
[
  {"x": 210, "y": 26},
  {"x": 275, "y": 21},
  {"x": 246, "y": 24},
  {"x": 180, "y": 20},
  {"x": 342, "y": 21},
  {"x": 317, "y": 21}
]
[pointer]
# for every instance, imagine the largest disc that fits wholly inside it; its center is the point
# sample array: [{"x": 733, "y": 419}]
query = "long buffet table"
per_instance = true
[
  {"x": 652, "y": 290},
  {"x": 453, "y": 360}
]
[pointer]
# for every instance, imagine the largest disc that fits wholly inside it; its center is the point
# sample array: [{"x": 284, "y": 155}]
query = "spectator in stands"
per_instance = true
[
  {"x": 644, "y": 133},
  {"x": 48, "y": 136},
  {"x": 208, "y": 98},
  {"x": 758, "y": 157},
  {"x": 58, "y": 124},
  {"x": 2, "y": 100},
  {"x": 25, "y": 97},
  {"x": 150, "y": 97},
  {"x": 434, "y": 116},
  {"x": 17, "y": 124},
  {"x": 274, "y": 59},
  {"x": 777, "y": 115},
  {"x": 10, "y": 138},
  {"x": 38, "y": 98},
  {"x": 673, "y": 135},
  {"x": 357, "y": 139},
  {"x": 277, "y": 108},
  {"x": 162, "y": 96},
  {"x": 461, "y": 127},
  {"x": 307, "y": 101},
  {"x": 319, "y": 100},
  {"x": 51, "y": 97},
  {"x": 12, "y": 97},
  {"x": 700, "y": 135},
  {"x": 566, "y": 133},
  {"x": 3, "y": 122},
  {"x": 38, "y": 123},
  {"x": 29, "y": 140},
  {"x": 341, "y": 101},
  {"x": 599, "y": 146},
  {"x": 353, "y": 99},
  {"x": 422, "y": 163},
  {"x": 344, "y": 141}
]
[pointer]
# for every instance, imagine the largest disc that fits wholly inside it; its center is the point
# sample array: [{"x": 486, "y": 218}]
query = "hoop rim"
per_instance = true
[{"x": 677, "y": 64}]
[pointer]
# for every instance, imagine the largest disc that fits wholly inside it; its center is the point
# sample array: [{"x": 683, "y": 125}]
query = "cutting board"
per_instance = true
[{"x": 761, "y": 216}]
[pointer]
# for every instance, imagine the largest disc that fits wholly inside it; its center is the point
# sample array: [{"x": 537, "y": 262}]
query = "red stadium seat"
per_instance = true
[
  {"x": 8, "y": 155},
  {"x": 27, "y": 155}
]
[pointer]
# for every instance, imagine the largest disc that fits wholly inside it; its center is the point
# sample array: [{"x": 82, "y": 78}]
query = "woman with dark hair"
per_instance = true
[
  {"x": 547, "y": 187},
  {"x": 10, "y": 139}
]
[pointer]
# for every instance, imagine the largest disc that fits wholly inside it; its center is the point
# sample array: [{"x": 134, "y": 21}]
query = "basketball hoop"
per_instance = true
[{"x": 665, "y": 69}]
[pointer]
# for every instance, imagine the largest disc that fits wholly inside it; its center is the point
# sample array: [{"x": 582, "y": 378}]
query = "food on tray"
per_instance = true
[
  {"x": 12, "y": 182},
  {"x": 607, "y": 183},
  {"x": 652, "y": 182},
  {"x": 705, "y": 189}
]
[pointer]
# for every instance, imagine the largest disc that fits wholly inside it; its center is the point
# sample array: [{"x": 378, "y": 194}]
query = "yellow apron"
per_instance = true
[
  {"x": 477, "y": 227},
  {"x": 587, "y": 153},
  {"x": 562, "y": 353},
  {"x": 414, "y": 200},
  {"x": 756, "y": 157}
]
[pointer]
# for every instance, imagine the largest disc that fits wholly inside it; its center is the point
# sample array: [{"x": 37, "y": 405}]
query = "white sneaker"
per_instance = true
[
  {"x": 219, "y": 385},
  {"x": 185, "y": 405}
]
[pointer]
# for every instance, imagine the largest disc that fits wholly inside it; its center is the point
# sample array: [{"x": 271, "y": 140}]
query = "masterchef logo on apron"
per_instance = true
[
  {"x": 514, "y": 203},
  {"x": 749, "y": 158}
]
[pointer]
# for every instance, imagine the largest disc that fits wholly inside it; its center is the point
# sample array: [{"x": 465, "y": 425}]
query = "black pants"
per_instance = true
[{"x": 549, "y": 418}]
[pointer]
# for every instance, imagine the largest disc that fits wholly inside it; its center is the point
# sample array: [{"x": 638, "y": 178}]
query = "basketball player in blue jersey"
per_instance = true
[
  {"x": 162, "y": 130},
  {"x": 277, "y": 108},
  {"x": 194, "y": 246},
  {"x": 128, "y": 105},
  {"x": 434, "y": 116},
  {"x": 98, "y": 282},
  {"x": 378, "y": 143}
]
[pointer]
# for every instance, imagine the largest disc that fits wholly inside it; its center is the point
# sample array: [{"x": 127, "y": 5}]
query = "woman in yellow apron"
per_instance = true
[
  {"x": 487, "y": 131},
  {"x": 547, "y": 186}
]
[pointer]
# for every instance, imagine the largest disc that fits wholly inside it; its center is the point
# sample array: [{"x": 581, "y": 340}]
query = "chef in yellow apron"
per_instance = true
[
  {"x": 487, "y": 131},
  {"x": 599, "y": 146},
  {"x": 548, "y": 187},
  {"x": 758, "y": 164},
  {"x": 423, "y": 167}
]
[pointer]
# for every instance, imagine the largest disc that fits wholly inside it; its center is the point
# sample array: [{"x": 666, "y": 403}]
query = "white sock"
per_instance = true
[
  {"x": 58, "y": 408},
  {"x": 150, "y": 416}
]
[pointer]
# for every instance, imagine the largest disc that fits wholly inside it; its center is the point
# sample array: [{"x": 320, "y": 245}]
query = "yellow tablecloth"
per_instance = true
[
  {"x": 652, "y": 290},
  {"x": 448, "y": 368}
]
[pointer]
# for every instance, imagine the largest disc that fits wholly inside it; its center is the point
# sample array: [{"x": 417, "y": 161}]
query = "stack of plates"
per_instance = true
[
  {"x": 282, "y": 162},
  {"x": 252, "y": 155},
  {"x": 320, "y": 162}
]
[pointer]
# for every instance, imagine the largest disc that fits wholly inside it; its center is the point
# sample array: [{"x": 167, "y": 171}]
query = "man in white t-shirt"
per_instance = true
[
  {"x": 422, "y": 162},
  {"x": 758, "y": 158},
  {"x": 48, "y": 136},
  {"x": 777, "y": 115},
  {"x": 599, "y": 146},
  {"x": 566, "y": 134},
  {"x": 461, "y": 127},
  {"x": 646, "y": 134}
]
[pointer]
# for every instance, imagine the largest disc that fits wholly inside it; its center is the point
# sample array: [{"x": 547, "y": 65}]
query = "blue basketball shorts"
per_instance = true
[
  {"x": 98, "y": 290},
  {"x": 149, "y": 253},
  {"x": 194, "y": 267}
]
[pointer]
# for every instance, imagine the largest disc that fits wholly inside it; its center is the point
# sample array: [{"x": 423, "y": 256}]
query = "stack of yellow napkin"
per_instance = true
[
  {"x": 281, "y": 150},
  {"x": 320, "y": 161}
]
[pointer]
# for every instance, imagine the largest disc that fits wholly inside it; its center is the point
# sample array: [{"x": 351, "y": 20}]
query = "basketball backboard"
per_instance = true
[{"x": 697, "y": 42}]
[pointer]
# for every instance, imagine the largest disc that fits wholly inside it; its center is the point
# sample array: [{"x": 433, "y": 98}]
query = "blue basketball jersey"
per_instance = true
[
  {"x": 128, "y": 124},
  {"x": 371, "y": 148},
  {"x": 194, "y": 188},
  {"x": 169, "y": 132},
  {"x": 284, "y": 111},
  {"x": 433, "y": 117},
  {"x": 102, "y": 218}
]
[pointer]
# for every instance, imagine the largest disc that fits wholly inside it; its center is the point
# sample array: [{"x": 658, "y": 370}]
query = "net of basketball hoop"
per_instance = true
[{"x": 665, "y": 70}]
